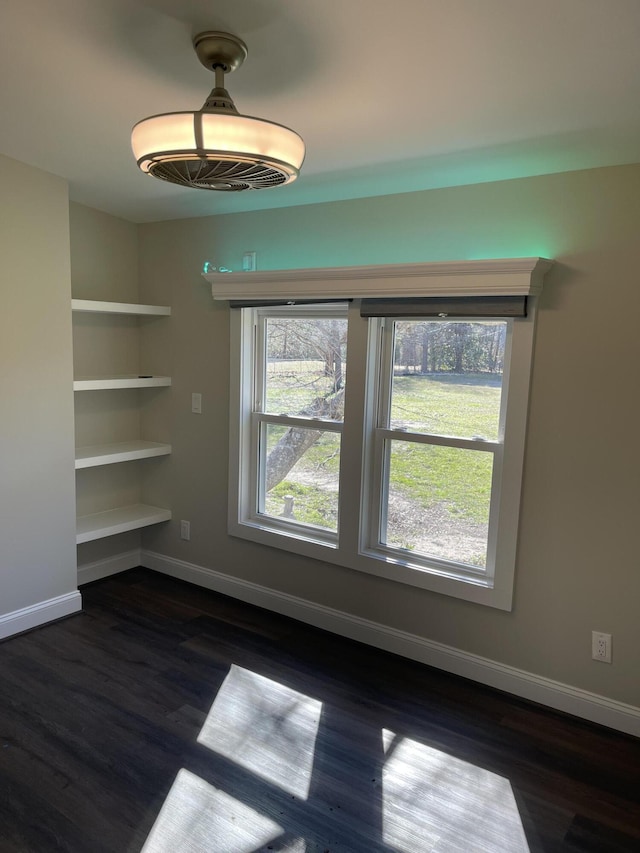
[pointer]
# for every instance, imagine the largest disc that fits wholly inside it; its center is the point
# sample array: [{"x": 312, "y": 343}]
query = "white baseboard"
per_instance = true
[
  {"x": 88, "y": 572},
  {"x": 527, "y": 685},
  {"x": 39, "y": 614}
]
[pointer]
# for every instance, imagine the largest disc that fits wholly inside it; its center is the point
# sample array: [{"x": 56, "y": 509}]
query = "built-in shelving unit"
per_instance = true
[{"x": 124, "y": 518}]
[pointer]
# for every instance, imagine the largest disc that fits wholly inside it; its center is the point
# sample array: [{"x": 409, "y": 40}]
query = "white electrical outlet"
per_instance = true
[
  {"x": 601, "y": 646},
  {"x": 185, "y": 530}
]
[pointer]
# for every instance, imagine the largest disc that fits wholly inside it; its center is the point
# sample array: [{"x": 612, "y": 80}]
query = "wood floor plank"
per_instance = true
[{"x": 171, "y": 718}]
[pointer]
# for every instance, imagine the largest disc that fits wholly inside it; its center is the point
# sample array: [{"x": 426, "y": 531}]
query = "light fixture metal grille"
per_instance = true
[{"x": 226, "y": 175}]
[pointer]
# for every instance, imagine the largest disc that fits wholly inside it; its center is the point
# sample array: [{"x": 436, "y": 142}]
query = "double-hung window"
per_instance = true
[{"x": 388, "y": 442}]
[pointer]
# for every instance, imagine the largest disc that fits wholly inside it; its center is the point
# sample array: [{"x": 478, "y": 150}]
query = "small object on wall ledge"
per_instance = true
[{"x": 209, "y": 267}]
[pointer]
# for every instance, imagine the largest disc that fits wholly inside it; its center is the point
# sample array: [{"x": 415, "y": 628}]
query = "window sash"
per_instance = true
[
  {"x": 380, "y": 438},
  {"x": 372, "y": 537},
  {"x": 292, "y": 527},
  {"x": 259, "y": 419}
]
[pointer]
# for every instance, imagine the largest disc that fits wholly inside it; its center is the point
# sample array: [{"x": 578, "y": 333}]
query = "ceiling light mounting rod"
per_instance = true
[
  {"x": 217, "y": 148},
  {"x": 221, "y": 53}
]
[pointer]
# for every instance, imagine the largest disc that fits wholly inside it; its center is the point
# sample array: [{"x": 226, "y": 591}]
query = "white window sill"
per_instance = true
[{"x": 479, "y": 590}]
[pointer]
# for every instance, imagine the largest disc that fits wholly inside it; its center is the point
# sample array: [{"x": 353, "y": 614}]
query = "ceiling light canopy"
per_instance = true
[{"x": 217, "y": 148}]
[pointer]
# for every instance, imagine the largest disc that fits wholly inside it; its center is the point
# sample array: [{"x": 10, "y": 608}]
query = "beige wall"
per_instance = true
[
  {"x": 37, "y": 517},
  {"x": 578, "y": 565}
]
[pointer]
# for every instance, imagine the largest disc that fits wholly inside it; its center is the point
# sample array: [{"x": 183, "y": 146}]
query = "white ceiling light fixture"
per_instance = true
[{"x": 217, "y": 148}]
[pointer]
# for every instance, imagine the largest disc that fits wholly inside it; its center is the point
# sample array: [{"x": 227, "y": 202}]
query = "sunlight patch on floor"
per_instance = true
[
  {"x": 431, "y": 802},
  {"x": 266, "y": 728},
  {"x": 434, "y": 803},
  {"x": 196, "y": 817}
]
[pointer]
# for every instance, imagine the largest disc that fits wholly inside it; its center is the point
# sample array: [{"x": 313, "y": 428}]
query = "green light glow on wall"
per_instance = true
[{"x": 507, "y": 219}]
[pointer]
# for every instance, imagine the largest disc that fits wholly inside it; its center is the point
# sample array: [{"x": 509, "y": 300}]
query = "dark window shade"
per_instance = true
[
  {"x": 277, "y": 303},
  {"x": 435, "y": 306}
]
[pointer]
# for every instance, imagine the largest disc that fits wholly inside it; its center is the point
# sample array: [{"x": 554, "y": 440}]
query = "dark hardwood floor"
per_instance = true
[{"x": 174, "y": 719}]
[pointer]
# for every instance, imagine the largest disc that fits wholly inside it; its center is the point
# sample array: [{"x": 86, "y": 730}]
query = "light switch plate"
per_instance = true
[{"x": 249, "y": 262}]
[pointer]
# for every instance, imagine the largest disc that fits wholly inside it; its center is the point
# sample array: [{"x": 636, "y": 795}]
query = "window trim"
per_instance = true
[
  {"x": 497, "y": 277},
  {"x": 355, "y": 472}
]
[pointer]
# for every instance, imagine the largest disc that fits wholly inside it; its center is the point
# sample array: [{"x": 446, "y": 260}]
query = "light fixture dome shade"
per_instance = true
[{"x": 217, "y": 151}]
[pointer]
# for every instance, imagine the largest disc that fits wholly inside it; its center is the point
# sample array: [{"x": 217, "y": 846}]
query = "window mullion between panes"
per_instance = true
[{"x": 353, "y": 470}]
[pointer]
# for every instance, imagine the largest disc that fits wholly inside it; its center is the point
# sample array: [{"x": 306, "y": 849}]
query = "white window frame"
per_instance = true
[{"x": 359, "y": 494}]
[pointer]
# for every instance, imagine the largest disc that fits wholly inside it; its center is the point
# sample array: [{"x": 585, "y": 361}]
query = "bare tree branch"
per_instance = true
[{"x": 296, "y": 440}]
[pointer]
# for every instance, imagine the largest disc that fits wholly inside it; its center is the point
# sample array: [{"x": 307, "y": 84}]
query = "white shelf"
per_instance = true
[
  {"x": 95, "y": 307},
  {"x": 120, "y": 520},
  {"x": 99, "y": 383},
  {"x": 125, "y": 451}
]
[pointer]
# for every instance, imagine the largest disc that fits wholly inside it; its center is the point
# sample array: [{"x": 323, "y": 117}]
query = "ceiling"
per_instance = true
[{"x": 388, "y": 96}]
